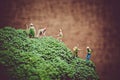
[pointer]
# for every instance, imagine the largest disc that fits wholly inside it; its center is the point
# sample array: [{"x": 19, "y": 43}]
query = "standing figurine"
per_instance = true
[
  {"x": 60, "y": 35},
  {"x": 31, "y": 30},
  {"x": 75, "y": 51},
  {"x": 41, "y": 32},
  {"x": 89, "y": 51}
]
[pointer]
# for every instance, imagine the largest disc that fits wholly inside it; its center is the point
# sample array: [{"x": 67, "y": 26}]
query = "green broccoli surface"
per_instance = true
[{"x": 46, "y": 58}]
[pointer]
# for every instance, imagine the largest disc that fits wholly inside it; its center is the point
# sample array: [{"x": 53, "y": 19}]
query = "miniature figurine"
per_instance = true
[
  {"x": 75, "y": 51},
  {"x": 32, "y": 30},
  {"x": 60, "y": 35},
  {"x": 41, "y": 32},
  {"x": 89, "y": 51}
]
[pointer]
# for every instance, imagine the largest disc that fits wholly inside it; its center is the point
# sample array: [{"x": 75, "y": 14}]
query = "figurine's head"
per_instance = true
[
  {"x": 75, "y": 48},
  {"x": 31, "y": 24},
  {"x": 60, "y": 30},
  {"x": 87, "y": 47}
]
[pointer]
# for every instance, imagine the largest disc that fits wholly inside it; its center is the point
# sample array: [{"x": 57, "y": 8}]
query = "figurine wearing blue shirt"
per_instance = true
[{"x": 89, "y": 51}]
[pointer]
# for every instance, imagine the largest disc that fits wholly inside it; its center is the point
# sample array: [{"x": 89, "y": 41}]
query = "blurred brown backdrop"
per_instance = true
[{"x": 94, "y": 23}]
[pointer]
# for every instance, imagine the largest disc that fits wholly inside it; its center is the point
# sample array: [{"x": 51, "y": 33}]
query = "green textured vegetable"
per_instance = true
[{"x": 46, "y": 58}]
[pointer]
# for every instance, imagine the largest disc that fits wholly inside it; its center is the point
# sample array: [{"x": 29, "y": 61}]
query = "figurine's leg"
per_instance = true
[
  {"x": 61, "y": 39},
  {"x": 58, "y": 38},
  {"x": 88, "y": 57},
  {"x": 76, "y": 54},
  {"x": 44, "y": 34}
]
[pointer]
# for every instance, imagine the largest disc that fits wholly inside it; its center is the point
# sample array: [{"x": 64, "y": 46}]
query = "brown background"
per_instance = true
[{"x": 94, "y": 23}]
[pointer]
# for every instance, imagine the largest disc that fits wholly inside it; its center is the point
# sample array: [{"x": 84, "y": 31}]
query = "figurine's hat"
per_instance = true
[
  {"x": 87, "y": 47},
  {"x": 31, "y": 24}
]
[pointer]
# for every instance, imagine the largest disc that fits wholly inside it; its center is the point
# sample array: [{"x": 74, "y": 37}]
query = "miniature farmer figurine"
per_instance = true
[
  {"x": 60, "y": 35},
  {"x": 75, "y": 51},
  {"x": 32, "y": 31},
  {"x": 89, "y": 51},
  {"x": 41, "y": 32}
]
